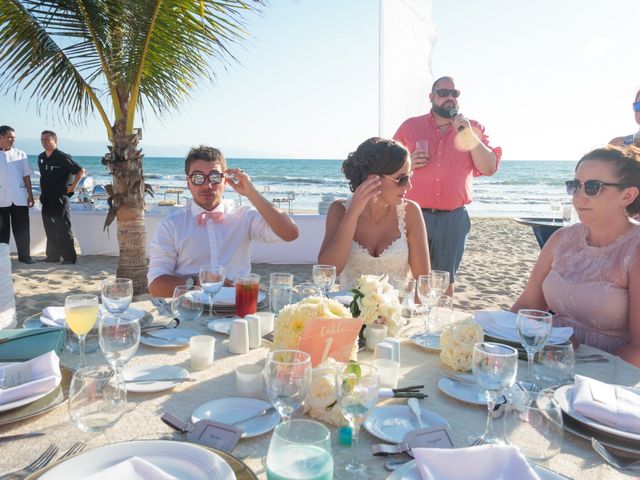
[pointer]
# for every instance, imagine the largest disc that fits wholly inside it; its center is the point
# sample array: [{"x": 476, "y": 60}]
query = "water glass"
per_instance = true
[
  {"x": 441, "y": 315},
  {"x": 287, "y": 376},
  {"x": 187, "y": 302},
  {"x": 305, "y": 290},
  {"x": 534, "y": 328},
  {"x": 300, "y": 449},
  {"x": 247, "y": 287},
  {"x": 324, "y": 276},
  {"x": 494, "y": 368},
  {"x": 555, "y": 210},
  {"x": 554, "y": 365},
  {"x": 95, "y": 402},
  {"x": 406, "y": 295},
  {"x": 566, "y": 212},
  {"x": 357, "y": 389},
  {"x": 117, "y": 294},
  {"x": 80, "y": 315},
  {"x": 280, "y": 290}
]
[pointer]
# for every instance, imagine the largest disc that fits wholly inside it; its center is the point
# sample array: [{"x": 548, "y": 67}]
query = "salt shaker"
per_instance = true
[
  {"x": 239, "y": 336},
  {"x": 255, "y": 331}
]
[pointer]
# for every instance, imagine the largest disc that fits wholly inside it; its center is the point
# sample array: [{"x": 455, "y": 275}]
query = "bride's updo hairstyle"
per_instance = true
[{"x": 375, "y": 156}]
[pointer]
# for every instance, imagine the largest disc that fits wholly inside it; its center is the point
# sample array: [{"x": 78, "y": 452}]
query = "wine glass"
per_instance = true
[
  {"x": 555, "y": 211},
  {"x": 357, "y": 390},
  {"x": 324, "y": 276},
  {"x": 494, "y": 367},
  {"x": 117, "y": 294},
  {"x": 119, "y": 340},
  {"x": 186, "y": 303},
  {"x": 211, "y": 280},
  {"x": 287, "y": 375},
  {"x": 80, "y": 315},
  {"x": 554, "y": 365},
  {"x": 534, "y": 328},
  {"x": 406, "y": 295},
  {"x": 429, "y": 288}
]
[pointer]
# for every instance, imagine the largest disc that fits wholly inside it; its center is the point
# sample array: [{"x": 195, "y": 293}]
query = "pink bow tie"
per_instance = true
[{"x": 203, "y": 217}]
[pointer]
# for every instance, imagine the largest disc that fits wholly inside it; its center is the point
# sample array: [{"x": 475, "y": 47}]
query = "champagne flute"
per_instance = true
[
  {"x": 287, "y": 376},
  {"x": 357, "y": 389},
  {"x": 117, "y": 294},
  {"x": 80, "y": 314},
  {"x": 494, "y": 367},
  {"x": 211, "y": 280},
  {"x": 324, "y": 276},
  {"x": 534, "y": 328},
  {"x": 186, "y": 303}
]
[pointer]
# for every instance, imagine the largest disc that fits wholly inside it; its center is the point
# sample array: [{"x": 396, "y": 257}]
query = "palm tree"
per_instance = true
[{"x": 117, "y": 58}]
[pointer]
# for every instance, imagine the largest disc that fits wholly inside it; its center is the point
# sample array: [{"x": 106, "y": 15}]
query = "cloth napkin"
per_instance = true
[
  {"x": 503, "y": 324},
  {"x": 53, "y": 316},
  {"x": 134, "y": 468},
  {"x": 487, "y": 462},
  {"x": 46, "y": 376},
  {"x": 611, "y": 405}
]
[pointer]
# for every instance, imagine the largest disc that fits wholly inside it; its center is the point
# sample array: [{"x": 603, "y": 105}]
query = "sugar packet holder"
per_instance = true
[
  {"x": 437, "y": 436},
  {"x": 206, "y": 432}
]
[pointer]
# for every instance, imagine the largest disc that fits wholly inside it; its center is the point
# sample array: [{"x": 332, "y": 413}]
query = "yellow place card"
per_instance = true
[{"x": 330, "y": 337}]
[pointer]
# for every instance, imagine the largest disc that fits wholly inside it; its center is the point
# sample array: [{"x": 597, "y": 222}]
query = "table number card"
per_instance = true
[{"x": 330, "y": 337}]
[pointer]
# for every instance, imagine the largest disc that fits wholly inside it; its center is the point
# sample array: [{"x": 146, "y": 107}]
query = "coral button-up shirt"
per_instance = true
[{"x": 446, "y": 182}]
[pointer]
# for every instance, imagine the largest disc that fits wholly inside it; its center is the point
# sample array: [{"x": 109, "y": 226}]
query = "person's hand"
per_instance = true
[
  {"x": 239, "y": 181},
  {"x": 30, "y": 202},
  {"x": 70, "y": 188},
  {"x": 459, "y": 121},
  {"x": 367, "y": 190},
  {"x": 419, "y": 159}
]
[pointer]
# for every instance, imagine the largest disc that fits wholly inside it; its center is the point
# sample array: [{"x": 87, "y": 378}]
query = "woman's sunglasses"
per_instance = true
[
  {"x": 591, "y": 187},
  {"x": 401, "y": 180},
  {"x": 636, "y": 106},
  {"x": 447, "y": 92},
  {"x": 198, "y": 178}
]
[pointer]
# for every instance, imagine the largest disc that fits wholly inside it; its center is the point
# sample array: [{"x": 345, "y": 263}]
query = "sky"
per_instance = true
[{"x": 549, "y": 80}]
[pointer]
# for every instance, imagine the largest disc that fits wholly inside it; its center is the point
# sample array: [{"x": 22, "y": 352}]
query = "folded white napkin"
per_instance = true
[
  {"x": 610, "y": 405},
  {"x": 53, "y": 316},
  {"x": 502, "y": 324},
  {"x": 134, "y": 468},
  {"x": 45, "y": 376},
  {"x": 487, "y": 462}
]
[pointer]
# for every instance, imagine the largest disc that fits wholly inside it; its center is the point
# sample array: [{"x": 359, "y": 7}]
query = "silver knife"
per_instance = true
[
  {"x": 20, "y": 436},
  {"x": 266, "y": 411},
  {"x": 172, "y": 341}
]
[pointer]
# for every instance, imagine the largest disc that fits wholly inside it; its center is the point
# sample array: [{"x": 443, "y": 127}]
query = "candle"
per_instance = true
[
  {"x": 250, "y": 380},
  {"x": 375, "y": 334},
  {"x": 201, "y": 350}
]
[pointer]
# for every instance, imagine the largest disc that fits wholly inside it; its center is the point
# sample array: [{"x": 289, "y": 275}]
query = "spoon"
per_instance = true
[{"x": 415, "y": 408}]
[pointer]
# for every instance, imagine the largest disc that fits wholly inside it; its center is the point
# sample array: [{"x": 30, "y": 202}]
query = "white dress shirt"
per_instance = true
[
  {"x": 14, "y": 165},
  {"x": 180, "y": 246}
]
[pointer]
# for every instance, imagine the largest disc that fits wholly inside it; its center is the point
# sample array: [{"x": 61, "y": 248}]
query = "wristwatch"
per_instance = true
[{"x": 191, "y": 281}]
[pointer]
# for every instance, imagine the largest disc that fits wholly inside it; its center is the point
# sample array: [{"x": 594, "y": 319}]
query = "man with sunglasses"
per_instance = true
[
  {"x": 457, "y": 149},
  {"x": 211, "y": 230}
]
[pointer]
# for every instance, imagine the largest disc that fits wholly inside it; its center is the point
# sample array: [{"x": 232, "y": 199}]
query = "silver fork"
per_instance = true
[
  {"x": 75, "y": 448},
  {"x": 478, "y": 441},
  {"x": 40, "y": 462},
  {"x": 614, "y": 460}
]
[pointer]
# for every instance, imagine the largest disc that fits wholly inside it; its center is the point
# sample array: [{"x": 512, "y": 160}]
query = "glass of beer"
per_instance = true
[
  {"x": 247, "y": 294},
  {"x": 80, "y": 314}
]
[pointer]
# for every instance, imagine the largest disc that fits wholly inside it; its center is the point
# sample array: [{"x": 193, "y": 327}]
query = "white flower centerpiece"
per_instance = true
[
  {"x": 376, "y": 301},
  {"x": 457, "y": 341}
]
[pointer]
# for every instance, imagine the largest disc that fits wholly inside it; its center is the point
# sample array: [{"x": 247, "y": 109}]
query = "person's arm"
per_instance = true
[
  {"x": 164, "y": 285},
  {"x": 417, "y": 240},
  {"x": 341, "y": 224},
  {"x": 71, "y": 188},
  {"x": 483, "y": 157},
  {"x": 279, "y": 221},
  {"x": 27, "y": 184},
  {"x": 631, "y": 351}
]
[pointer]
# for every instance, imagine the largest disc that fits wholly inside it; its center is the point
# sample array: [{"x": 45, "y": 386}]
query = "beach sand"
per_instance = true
[{"x": 499, "y": 257}]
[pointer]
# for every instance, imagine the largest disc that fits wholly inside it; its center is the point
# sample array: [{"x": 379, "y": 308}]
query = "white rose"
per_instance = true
[{"x": 322, "y": 392}]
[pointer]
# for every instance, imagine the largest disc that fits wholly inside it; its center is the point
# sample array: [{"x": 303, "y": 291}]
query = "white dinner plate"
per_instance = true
[
  {"x": 226, "y": 297},
  {"x": 410, "y": 471},
  {"x": 40, "y": 320},
  {"x": 145, "y": 375},
  {"x": 221, "y": 325},
  {"x": 431, "y": 343},
  {"x": 168, "y": 338},
  {"x": 392, "y": 422},
  {"x": 180, "y": 459},
  {"x": 564, "y": 397},
  {"x": 232, "y": 409},
  {"x": 25, "y": 401},
  {"x": 465, "y": 392},
  {"x": 501, "y": 325}
]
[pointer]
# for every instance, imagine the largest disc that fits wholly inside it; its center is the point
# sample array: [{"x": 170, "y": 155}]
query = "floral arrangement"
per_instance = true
[
  {"x": 321, "y": 402},
  {"x": 457, "y": 341},
  {"x": 376, "y": 301},
  {"x": 293, "y": 318}
]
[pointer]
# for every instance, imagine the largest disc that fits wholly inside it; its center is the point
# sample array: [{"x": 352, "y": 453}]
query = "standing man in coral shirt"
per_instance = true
[{"x": 457, "y": 149}]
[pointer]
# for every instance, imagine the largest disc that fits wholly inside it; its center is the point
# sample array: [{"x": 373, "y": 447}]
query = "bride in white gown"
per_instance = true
[{"x": 378, "y": 230}]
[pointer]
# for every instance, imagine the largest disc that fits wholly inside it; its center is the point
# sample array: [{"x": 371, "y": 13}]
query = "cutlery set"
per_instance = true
[{"x": 41, "y": 461}]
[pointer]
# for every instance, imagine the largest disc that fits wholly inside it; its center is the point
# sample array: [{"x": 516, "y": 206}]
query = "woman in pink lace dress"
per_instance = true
[{"x": 589, "y": 273}]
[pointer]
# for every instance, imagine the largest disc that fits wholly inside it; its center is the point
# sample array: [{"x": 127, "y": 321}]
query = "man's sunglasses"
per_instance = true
[
  {"x": 401, "y": 180},
  {"x": 447, "y": 92},
  {"x": 636, "y": 106},
  {"x": 198, "y": 178},
  {"x": 591, "y": 187}
]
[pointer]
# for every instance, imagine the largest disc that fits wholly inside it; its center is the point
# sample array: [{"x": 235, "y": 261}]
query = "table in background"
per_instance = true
[
  {"x": 419, "y": 366},
  {"x": 543, "y": 227}
]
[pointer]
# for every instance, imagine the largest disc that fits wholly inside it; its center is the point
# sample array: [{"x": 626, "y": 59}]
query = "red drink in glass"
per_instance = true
[{"x": 247, "y": 294}]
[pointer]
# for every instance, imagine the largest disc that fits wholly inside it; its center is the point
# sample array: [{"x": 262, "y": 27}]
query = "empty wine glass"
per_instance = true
[
  {"x": 117, "y": 294},
  {"x": 287, "y": 375},
  {"x": 357, "y": 390},
  {"x": 534, "y": 328},
  {"x": 554, "y": 365},
  {"x": 80, "y": 315},
  {"x": 494, "y": 367},
  {"x": 406, "y": 295},
  {"x": 555, "y": 211},
  {"x": 187, "y": 302},
  {"x": 212, "y": 280},
  {"x": 429, "y": 288},
  {"x": 324, "y": 276}
]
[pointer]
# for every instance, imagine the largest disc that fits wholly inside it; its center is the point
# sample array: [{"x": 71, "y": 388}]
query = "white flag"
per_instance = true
[{"x": 407, "y": 35}]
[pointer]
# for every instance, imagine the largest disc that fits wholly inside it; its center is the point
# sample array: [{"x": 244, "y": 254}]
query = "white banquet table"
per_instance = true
[{"x": 142, "y": 422}]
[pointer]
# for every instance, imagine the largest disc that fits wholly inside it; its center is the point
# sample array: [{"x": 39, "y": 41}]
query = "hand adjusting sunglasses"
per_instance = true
[
  {"x": 198, "y": 178},
  {"x": 401, "y": 180},
  {"x": 592, "y": 188},
  {"x": 447, "y": 92}
]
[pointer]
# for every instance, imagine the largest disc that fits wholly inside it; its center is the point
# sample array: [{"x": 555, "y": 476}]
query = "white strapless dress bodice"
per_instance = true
[{"x": 394, "y": 260}]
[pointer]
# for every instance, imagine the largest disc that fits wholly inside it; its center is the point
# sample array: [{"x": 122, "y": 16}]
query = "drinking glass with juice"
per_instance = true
[{"x": 247, "y": 294}]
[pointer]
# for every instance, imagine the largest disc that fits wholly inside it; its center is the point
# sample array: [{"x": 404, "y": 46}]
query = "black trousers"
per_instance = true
[
  {"x": 57, "y": 227},
  {"x": 16, "y": 218}
]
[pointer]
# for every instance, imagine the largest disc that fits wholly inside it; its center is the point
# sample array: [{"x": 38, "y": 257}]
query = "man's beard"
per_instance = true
[{"x": 444, "y": 112}]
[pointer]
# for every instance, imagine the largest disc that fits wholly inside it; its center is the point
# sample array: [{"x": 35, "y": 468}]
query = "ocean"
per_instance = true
[{"x": 519, "y": 188}]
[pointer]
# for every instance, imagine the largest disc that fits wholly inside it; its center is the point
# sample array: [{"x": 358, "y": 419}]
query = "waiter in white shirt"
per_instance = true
[
  {"x": 211, "y": 230},
  {"x": 16, "y": 196}
]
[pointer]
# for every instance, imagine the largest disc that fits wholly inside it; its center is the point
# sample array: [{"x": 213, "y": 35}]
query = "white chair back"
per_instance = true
[{"x": 7, "y": 299}]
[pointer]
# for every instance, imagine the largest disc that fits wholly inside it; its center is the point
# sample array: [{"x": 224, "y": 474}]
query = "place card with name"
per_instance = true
[{"x": 330, "y": 337}]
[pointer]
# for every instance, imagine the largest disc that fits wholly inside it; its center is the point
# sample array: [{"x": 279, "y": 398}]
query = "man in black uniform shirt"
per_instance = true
[{"x": 55, "y": 169}]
